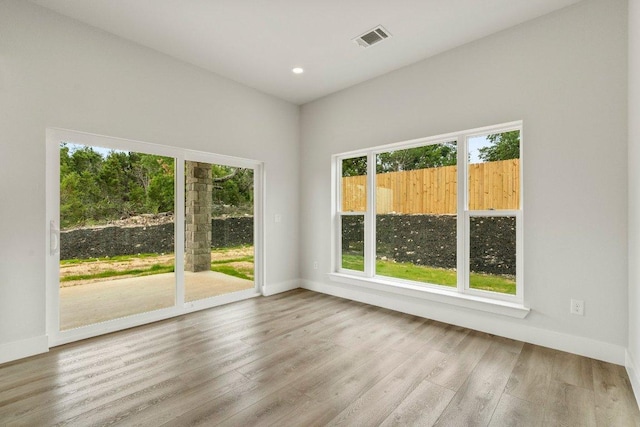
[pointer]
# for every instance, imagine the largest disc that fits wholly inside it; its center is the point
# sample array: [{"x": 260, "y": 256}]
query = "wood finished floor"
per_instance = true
[{"x": 304, "y": 359}]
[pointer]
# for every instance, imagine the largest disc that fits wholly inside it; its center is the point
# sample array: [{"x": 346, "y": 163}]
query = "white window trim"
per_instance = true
[
  {"x": 440, "y": 294},
  {"x": 462, "y": 295}
]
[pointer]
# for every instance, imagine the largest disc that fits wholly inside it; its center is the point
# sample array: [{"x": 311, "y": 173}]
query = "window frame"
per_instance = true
[
  {"x": 340, "y": 213},
  {"x": 463, "y": 214}
]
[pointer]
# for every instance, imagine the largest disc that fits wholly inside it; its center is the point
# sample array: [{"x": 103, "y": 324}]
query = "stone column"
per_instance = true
[{"x": 198, "y": 216}]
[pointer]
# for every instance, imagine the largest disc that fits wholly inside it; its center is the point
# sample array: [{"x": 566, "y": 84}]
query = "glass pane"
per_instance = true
[
  {"x": 352, "y": 242},
  {"x": 416, "y": 205},
  {"x": 354, "y": 184},
  {"x": 492, "y": 254},
  {"x": 117, "y": 234},
  {"x": 219, "y": 255},
  {"x": 494, "y": 171}
]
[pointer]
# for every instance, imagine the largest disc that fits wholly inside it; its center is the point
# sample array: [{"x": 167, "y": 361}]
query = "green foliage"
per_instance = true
[
  {"x": 505, "y": 146},
  {"x": 95, "y": 188},
  {"x": 160, "y": 193},
  {"x": 232, "y": 190},
  {"x": 354, "y": 167},
  {"x": 428, "y": 156}
]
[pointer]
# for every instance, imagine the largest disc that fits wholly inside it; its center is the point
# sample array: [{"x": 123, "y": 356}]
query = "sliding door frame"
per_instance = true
[{"x": 53, "y": 139}]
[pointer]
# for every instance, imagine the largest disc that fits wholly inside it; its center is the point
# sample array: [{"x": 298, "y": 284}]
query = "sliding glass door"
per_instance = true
[
  {"x": 116, "y": 234},
  {"x": 219, "y": 224},
  {"x": 140, "y": 232}
]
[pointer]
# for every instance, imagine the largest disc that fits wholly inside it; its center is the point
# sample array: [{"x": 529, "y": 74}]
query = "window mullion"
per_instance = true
[
  {"x": 370, "y": 218},
  {"x": 519, "y": 254},
  {"x": 337, "y": 220},
  {"x": 462, "y": 211},
  {"x": 179, "y": 225}
]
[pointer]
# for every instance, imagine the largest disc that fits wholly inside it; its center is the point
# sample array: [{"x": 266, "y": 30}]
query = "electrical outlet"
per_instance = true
[
  {"x": 577, "y": 307},
  {"x": 277, "y": 218},
  {"x": 315, "y": 265}
]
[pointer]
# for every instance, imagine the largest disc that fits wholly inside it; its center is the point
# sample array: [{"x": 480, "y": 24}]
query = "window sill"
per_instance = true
[{"x": 444, "y": 296}]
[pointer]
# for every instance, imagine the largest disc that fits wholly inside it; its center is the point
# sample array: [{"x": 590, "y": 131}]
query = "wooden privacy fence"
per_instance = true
[{"x": 492, "y": 185}]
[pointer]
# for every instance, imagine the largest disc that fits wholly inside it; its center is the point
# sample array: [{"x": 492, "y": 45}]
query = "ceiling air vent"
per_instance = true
[{"x": 372, "y": 37}]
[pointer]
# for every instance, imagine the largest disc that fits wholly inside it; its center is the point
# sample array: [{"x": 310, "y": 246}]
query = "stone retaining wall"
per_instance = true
[
  {"x": 419, "y": 239},
  {"x": 431, "y": 240},
  {"x": 227, "y": 232},
  {"x": 97, "y": 242}
]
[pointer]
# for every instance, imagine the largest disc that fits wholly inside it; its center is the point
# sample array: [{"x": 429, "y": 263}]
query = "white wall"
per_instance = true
[
  {"x": 564, "y": 74},
  {"x": 634, "y": 195},
  {"x": 56, "y": 72}
]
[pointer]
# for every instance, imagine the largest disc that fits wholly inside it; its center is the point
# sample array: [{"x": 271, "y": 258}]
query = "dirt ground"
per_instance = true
[{"x": 100, "y": 265}]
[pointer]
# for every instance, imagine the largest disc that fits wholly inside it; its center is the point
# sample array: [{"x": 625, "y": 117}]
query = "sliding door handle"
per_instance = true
[{"x": 54, "y": 238}]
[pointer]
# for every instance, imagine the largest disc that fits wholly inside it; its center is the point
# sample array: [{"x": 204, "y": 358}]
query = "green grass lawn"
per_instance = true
[
  {"x": 118, "y": 258},
  {"x": 437, "y": 276},
  {"x": 232, "y": 271},
  {"x": 137, "y": 272},
  {"x": 241, "y": 267}
]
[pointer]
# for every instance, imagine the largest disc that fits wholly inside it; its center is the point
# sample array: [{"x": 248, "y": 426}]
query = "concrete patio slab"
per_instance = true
[{"x": 106, "y": 300}]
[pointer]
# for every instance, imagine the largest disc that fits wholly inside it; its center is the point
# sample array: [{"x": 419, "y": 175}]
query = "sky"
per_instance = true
[
  {"x": 100, "y": 150},
  {"x": 475, "y": 144}
]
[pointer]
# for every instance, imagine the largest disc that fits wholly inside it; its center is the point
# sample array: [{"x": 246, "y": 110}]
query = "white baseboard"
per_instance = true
[
  {"x": 24, "y": 348},
  {"x": 276, "y": 288},
  {"x": 492, "y": 324},
  {"x": 633, "y": 372}
]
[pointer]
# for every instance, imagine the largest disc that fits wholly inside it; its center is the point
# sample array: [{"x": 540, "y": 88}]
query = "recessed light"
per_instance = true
[{"x": 297, "y": 70}]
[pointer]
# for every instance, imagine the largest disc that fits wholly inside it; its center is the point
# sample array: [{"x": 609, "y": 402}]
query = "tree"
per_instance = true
[
  {"x": 85, "y": 159},
  {"x": 355, "y": 166},
  {"x": 72, "y": 208},
  {"x": 96, "y": 188},
  {"x": 232, "y": 190},
  {"x": 160, "y": 194},
  {"x": 428, "y": 156},
  {"x": 160, "y": 178},
  {"x": 505, "y": 146},
  {"x": 116, "y": 182}
]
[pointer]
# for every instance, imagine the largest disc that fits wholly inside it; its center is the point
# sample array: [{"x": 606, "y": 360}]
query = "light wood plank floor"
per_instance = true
[{"x": 304, "y": 359}]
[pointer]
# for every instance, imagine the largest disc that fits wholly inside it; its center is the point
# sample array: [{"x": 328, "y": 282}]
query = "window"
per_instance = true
[
  {"x": 352, "y": 215},
  {"x": 438, "y": 213}
]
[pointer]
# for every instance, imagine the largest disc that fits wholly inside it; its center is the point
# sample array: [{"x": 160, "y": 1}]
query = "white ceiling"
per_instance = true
[{"x": 258, "y": 42}]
